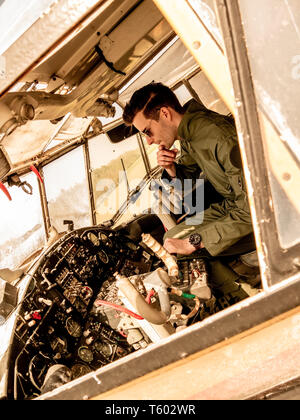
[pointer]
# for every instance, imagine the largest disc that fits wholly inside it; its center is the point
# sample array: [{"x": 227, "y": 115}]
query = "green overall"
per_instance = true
[{"x": 209, "y": 145}]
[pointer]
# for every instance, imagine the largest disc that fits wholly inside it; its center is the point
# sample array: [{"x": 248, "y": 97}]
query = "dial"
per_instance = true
[
  {"x": 105, "y": 239},
  {"x": 103, "y": 256},
  {"x": 105, "y": 348},
  {"x": 37, "y": 369},
  {"x": 85, "y": 354},
  {"x": 79, "y": 370},
  {"x": 73, "y": 328},
  {"x": 93, "y": 238}
]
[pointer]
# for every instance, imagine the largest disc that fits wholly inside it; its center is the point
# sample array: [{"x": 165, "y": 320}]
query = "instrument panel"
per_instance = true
[
  {"x": 58, "y": 324},
  {"x": 73, "y": 320}
]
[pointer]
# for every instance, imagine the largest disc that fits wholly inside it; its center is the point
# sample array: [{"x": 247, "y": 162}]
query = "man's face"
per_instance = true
[{"x": 161, "y": 132}]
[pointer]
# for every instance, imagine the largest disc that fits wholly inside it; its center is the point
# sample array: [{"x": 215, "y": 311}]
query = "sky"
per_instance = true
[{"x": 22, "y": 213}]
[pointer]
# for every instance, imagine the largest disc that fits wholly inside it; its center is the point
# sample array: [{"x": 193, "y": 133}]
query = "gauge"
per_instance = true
[
  {"x": 79, "y": 370},
  {"x": 105, "y": 239},
  {"x": 103, "y": 256},
  {"x": 105, "y": 348},
  {"x": 85, "y": 354},
  {"x": 93, "y": 238},
  {"x": 73, "y": 328},
  {"x": 37, "y": 369},
  {"x": 59, "y": 344}
]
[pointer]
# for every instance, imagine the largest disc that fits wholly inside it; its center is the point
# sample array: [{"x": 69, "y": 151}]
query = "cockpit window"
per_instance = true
[
  {"x": 273, "y": 42},
  {"x": 22, "y": 228},
  {"x": 118, "y": 115},
  {"x": 67, "y": 191},
  {"x": 116, "y": 170}
]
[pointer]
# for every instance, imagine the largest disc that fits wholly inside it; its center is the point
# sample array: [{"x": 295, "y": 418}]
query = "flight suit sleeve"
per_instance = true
[{"x": 234, "y": 221}]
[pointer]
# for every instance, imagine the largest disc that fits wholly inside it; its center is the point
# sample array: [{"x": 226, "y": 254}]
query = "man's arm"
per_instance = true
[
  {"x": 180, "y": 246},
  {"x": 235, "y": 219}
]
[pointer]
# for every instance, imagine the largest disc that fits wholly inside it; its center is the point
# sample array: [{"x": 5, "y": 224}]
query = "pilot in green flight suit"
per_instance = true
[{"x": 208, "y": 145}]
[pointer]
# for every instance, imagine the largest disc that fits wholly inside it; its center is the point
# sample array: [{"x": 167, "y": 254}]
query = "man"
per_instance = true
[{"x": 208, "y": 144}]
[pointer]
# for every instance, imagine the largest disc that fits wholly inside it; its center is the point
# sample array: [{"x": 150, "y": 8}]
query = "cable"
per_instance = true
[
  {"x": 179, "y": 292},
  {"x": 108, "y": 63},
  {"x": 99, "y": 302}
]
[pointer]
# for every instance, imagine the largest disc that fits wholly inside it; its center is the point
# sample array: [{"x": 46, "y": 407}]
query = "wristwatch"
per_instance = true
[{"x": 195, "y": 240}]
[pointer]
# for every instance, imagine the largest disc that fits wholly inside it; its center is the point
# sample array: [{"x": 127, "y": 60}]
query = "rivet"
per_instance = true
[
  {"x": 286, "y": 176},
  {"x": 196, "y": 45}
]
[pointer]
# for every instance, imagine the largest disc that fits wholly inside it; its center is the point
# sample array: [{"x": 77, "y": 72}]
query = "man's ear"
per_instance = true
[{"x": 165, "y": 112}]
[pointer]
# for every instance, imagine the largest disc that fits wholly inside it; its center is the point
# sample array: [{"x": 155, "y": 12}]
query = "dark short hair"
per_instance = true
[{"x": 150, "y": 99}]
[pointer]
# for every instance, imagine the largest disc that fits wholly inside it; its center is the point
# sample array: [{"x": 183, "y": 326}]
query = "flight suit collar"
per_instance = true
[{"x": 191, "y": 107}]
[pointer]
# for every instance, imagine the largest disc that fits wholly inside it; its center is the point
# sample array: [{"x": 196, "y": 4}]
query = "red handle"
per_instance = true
[
  {"x": 37, "y": 173},
  {"x": 3, "y": 188}
]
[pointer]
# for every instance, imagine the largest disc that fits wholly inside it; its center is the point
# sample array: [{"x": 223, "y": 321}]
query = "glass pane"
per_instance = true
[
  {"x": 273, "y": 38},
  {"x": 22, "y": 227},
  {"x": 207, "y": 93},
  {"x": 183, "y": 94},
  {"x": 67, "y": 191},
  {"x": 34, "y": 134},
  {"x": 165, "y": 68},
  {"x": 108, "y": 161},
  {"x": 272, "y": 30},
  {"x": 117, "y": 116},
  {"x": 68, "y": 129}
]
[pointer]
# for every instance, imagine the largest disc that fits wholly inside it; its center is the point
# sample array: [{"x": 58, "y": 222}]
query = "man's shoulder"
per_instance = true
[
  {"x": 194, "y": 119},
  {"x": 196, "y": 113},
  {"x": 194, "y": 106},
  {"x": 201, "y": 123}
]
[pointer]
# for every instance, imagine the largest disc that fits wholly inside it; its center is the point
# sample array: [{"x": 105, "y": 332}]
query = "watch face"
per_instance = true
[{"x": 195, "y": 239}]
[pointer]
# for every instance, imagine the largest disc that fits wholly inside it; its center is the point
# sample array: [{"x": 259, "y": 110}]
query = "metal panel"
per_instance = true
[
  {"x": 62, "y": 18},
  {"x": 16, "y": 17},
  {"x": 194, "y": 343},
  {"x": 5, "y": 164}
]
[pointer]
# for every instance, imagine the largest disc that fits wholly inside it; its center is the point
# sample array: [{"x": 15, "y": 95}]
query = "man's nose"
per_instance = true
[{"x": 149, "y": 140}]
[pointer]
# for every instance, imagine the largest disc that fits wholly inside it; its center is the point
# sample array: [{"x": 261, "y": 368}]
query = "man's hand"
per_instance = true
[
  {"x": 166, "y": 159},
  {"x": 179, "y": 246}
]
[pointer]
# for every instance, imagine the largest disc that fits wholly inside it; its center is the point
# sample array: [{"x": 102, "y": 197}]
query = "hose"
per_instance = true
[
  {"x": 152, "y": 315},
  {"x": 99, "y": 302}
]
